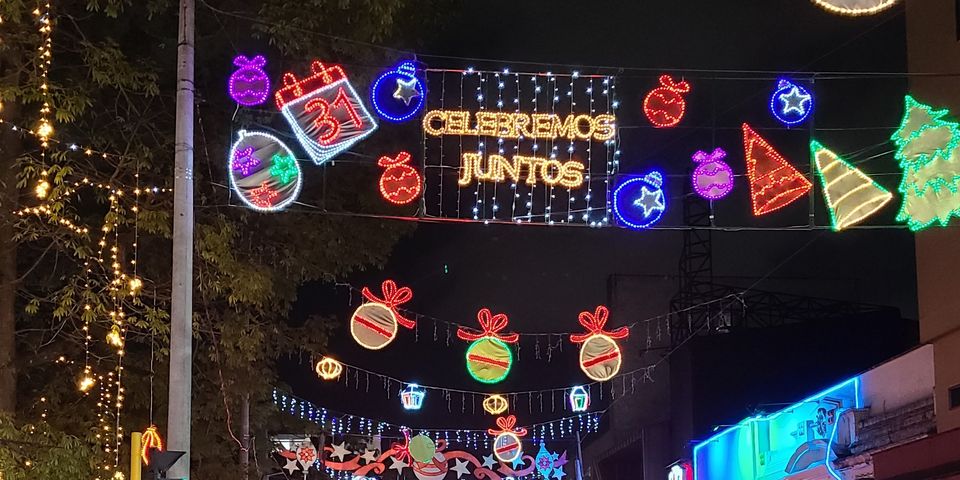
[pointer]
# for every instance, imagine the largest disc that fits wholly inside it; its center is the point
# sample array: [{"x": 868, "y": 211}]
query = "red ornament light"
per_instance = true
[
  {"x": 664, "y": 106},
  {"x": 774, "y": 183},
  {"x": 263, "y": 196},
  {"x": 400, "y": 183},
  {"x": 150, "y": 439}
]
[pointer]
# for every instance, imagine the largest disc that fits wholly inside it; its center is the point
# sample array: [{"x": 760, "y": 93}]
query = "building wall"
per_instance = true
[
  {"x": 899, "y": 382},
  {"x": 933, "y": 47}
]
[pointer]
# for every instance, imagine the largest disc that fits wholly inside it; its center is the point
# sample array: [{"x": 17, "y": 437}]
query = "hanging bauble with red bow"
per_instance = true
[
  {"x": 600, "y": 356},
  {"x": 374, "y": 324},
  {"x": 489, "y": 358}
]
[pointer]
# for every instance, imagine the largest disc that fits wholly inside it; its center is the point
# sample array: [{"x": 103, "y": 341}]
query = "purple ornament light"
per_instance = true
[
  {"x": 713, "y": 178},
  {"x": 249, "y": 85}
]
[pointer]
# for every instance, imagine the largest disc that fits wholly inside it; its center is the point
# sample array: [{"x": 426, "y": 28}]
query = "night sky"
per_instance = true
[{"x": 543, "y": 276}]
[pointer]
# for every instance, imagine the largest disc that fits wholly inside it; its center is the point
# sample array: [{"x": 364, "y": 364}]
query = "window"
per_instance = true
[{"x": 954, "y": 396}]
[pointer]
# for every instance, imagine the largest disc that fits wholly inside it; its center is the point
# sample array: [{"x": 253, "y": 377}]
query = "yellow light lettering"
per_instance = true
[
  {"x": 487, "y": 124},
  {"x": 605, "y": 127},
  {"x": 579, "y": 122},
  {"x": 565, "y": 129},
  {"x": 466, "y": 168},
  {"x": 572, "y": 174},
  {"x": 551, "y": 171},
  {"x": 543, "y": 125},
  {"x": 430, "y": 118}
]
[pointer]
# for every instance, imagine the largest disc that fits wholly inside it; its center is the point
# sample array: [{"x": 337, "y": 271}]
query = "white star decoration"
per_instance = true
[
  {"x": 339, "y": 452},
  {"x": 460, "y": 468},
  {"x": 794, "y": 101},
  {"x": 291, "y": 465},
  {"x": 406, "y": 90},
  {"x": 650, "y": 200},
  {"x": 369, "y": 456},
  {"x": 488, "y": 461},
  {"x": 398, "y": 465}
]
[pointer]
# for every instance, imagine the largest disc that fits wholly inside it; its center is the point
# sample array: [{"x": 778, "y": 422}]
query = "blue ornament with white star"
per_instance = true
[
  {"x": 791, "y": 103},
  {"x": 639, "y": 202},
  {"x": 398, "y": 94}
]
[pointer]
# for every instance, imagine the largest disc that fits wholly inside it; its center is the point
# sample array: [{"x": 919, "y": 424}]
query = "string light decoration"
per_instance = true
[
  {"x": 530, "y": 147},
  {"x": 712, "y": 178},
  {"x": 664, "y": 106},
  {"x": 264, "y": 172},
  {"x": 600, "y": 355},
  {"x": 495, "y": 404},
  {"x": 927, "y": 151},
  {"x": 150, "y": 438},
  {"x": 579, "y": 399},
  {"x": 249, "y": 85},
  {"x": 44, "y": 128},
  {"x": 400, "y": 183},
  {"x": 412, "y": 397},
  {"x": 851, "y": 195},
  {"x": 790, "y": 103},
  {"x": 328, "y": 368},
  {"x": 506, "y": 442},
  {"x": 774, "y": 183},
  {"x": 374, "y": 324},
  {"x": 397, "y": 94},
  {"x": 489, "y": 357},
  {"x": 324, "y": 111},
  {"x": 855, "y": 8},
  {"x": 639, "y": 202}
]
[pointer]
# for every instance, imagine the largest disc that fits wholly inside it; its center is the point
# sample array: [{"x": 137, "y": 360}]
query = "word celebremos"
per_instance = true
[{"x": 514, "y": 125}]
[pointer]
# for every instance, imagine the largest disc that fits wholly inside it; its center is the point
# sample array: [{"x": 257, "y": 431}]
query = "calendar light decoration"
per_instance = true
[
  {"x": 412, "y": 396},
  {"x": 264, "y": 172},
  {"x": 324, "y": 111},
  {"x": 579, "y": 399}
]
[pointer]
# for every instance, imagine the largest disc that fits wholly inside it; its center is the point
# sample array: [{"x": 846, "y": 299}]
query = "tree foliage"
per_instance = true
[{"x": 113, "y": 83}]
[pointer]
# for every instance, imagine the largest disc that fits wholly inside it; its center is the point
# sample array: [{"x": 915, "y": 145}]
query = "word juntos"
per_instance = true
[
  {"x": 528, "y": 169},
  {"x": 516, "y": 125}
]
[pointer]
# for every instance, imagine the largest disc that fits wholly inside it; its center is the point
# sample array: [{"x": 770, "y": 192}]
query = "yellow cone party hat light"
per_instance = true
[{"x": 851, "y": 195}]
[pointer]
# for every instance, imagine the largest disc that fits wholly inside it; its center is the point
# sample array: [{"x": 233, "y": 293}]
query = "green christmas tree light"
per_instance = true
[{"x": 927, "y": 149}]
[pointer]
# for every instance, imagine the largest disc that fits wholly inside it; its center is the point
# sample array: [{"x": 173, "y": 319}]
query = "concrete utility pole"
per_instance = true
[{"x": 181, "y": 309}]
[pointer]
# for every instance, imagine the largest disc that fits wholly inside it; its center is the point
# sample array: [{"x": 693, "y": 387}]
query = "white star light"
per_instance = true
[
  {"x": 794, "y": 101},
  {"x": 339, "y": 451},
  {"x": 650, "y": 201},
  {"x": 291, "y": 465},
  {"x": 488, "y": 461},
  {"x": 369, "y": 456},
  {"x": 406, "y": 90},
  {"x": 398, "y": 465},
  {"x": 460, "y": 468}
]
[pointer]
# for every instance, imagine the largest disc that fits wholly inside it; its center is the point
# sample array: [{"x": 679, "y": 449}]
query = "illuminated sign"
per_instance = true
[
  {"x": 680, "y": 471},
  {"x": 519, "y": 147},
  {"x": 779, "y": 445}
]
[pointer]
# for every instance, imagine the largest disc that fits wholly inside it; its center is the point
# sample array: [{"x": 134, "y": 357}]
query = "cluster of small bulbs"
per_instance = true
[{"x": 45, "y": 127}]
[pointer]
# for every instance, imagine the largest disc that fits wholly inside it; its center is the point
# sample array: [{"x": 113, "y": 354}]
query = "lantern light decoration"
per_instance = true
[
  {"x": 600, "y": 355},
  {"x": 712, "y": 178},
  {"x": 790, "y": 103},
  {"x": 264, "y": 172},
  {"x": 639, "y": 202},
  {"x": 664, "y": 106},
  {"x": 328, "y": 368},
  {"x": 495, "y": 404},
  {"x": 579, "y": 399},
  {"x": 150, "y": 439},
  {"x": 506, "y": 442},
  {"x": 400, "y": 182},
  {"x": 324, "y": 111},
  {"x": 412, "y": 397},
  {"x": 489, "y": 358},
  {"x": 249, "y": 85},
  {"x": 397, "y": 94},
  {"x": 374, "y": 324}
]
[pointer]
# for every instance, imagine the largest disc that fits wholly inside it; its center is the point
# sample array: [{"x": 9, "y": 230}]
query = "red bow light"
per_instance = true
[
  {"x": 594, "y": 323},
  {"x": 492, "y": 324},
  {"x": 506, "y": 425},
  {"x": 402, "y": 449},
  {"x": 392, "y": 298}
]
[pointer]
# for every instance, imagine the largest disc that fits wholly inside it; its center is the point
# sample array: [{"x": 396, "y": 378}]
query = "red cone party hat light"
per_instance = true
[{"x": 774, "y": 183}]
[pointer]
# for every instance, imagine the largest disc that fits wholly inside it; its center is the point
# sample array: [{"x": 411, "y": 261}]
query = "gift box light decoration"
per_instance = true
[
  {"x": 328, "y": 368},
  {"x": 600, "y": 355},
  {"x": 790, "y": 103},
  {"x": 264, "y": 172},
  {"x": 579, "y": 399},
  {"x": 249, "y": 85},
  {"x": 412, "y": 397},
  {"x": 489, "y": 358},
  {"x": 324, "y": 111},
  {"x": 506, "y": 442},
  {"x": 495, "y": 404},
  {"x": 397, "y": 94},
  {"x": 374, "y": 324}
]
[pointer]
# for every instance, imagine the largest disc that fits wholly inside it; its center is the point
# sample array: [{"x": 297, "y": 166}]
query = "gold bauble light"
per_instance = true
[
  {"x": 495, "y": 404},
  {"x": 328, "y": 368}
]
